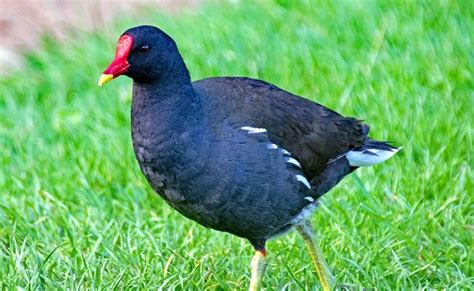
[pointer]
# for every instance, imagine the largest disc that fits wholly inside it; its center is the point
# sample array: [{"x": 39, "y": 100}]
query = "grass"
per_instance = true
[{"x": 76, "y": 213}]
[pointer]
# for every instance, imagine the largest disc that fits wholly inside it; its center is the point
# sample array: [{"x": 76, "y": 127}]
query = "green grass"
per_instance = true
[{"x": 75, "y": 212}]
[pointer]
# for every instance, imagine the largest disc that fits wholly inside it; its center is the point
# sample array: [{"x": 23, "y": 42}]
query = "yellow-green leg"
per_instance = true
[
  {"x": 258, "y": 264},
  {"x": 325, "y": 275}
]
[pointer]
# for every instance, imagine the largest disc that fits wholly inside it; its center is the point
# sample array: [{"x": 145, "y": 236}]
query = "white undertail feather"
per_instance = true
[{"x": 369, "y": 157}]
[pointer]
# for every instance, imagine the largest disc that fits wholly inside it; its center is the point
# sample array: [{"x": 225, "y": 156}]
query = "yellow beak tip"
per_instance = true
[{"x": 105, "y": 78}]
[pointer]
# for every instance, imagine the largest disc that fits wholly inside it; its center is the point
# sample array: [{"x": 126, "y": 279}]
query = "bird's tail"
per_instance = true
[{"x": 371, "y": 153}]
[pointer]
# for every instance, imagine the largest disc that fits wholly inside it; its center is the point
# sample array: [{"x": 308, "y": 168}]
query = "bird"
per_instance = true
[{"x": 236, "y": 154}]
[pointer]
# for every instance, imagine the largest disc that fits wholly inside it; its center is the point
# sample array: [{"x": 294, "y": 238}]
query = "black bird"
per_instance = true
[{"x": 236, "y": 154}]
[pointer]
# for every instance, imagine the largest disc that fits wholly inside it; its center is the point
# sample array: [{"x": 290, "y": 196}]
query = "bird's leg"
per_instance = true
[
  {"x": 258, "y": 264},
  {"x": 325, "y": 275}
]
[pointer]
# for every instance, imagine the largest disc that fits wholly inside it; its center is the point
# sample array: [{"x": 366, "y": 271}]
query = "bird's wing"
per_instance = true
[{"x": 312, "y": 133}]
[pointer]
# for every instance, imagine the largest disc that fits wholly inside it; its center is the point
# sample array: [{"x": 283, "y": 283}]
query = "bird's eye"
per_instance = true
[{"x": 144, "y": 49}]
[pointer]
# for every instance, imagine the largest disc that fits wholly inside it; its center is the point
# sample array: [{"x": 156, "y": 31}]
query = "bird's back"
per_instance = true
[{"x": 312, "y": 133}]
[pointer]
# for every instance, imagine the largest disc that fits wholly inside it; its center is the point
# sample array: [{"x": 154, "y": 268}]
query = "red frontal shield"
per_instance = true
[{"x": 119, "y": 65}]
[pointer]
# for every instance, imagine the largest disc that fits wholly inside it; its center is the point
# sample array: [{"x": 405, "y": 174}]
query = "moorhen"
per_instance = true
[{"x": 236, "y": 154}]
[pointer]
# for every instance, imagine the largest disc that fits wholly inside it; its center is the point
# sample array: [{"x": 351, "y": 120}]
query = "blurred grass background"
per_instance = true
[{"x": 75, "y": 212}]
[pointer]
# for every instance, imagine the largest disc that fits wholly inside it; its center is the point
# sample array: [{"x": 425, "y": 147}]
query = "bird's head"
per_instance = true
[{"x": 143, "y": 53}]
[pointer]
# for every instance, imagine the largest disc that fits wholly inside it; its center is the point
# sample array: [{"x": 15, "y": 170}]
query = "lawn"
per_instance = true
[{"x": 75, "y": 211}]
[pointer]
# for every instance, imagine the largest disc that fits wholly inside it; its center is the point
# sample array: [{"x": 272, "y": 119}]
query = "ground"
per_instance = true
[
  {"x": 76, "y": 212},
  {"x": 23, "y": 22}
]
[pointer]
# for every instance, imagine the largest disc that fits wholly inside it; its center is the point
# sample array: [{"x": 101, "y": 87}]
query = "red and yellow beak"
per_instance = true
[{"x": 119, "y": 65}]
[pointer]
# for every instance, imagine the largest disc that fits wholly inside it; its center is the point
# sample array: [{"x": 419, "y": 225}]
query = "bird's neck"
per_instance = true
[
  {"x": 169, "y": 100},
  {"x": 167, "y": 118}
]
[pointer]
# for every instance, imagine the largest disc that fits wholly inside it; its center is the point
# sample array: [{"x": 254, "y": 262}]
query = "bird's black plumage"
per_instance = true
[{"x": 234, "y": 154}]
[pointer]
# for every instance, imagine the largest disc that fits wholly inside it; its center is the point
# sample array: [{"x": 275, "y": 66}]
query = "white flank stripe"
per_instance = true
[
  {"x": 310, "y": 199},
  {"x": 303, "y": 180},
  {"x": 294, "y": 162},
  {"x": 360, "y": 159},
  {"x": 254, "y": 129},
  {"x": 285, "y": 152},
  {"x": 272, "y": 146}
]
